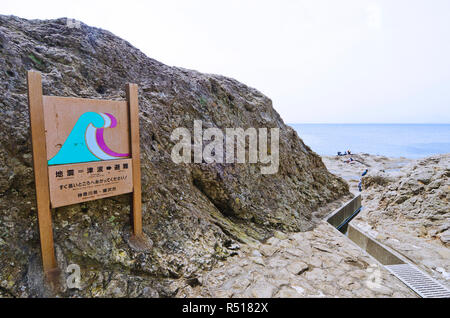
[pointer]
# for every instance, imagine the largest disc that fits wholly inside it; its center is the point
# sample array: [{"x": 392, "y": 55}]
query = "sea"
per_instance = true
[{"x": 391, "y": 140}]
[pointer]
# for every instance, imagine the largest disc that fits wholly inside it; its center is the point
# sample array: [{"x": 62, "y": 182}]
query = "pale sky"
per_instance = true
[{"x": 320, "y": 61}]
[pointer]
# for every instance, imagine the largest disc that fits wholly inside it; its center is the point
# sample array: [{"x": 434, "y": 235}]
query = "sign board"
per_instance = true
[
  {"x": 74, "y": 183},
  {"x": 83, "y": 150},
  {"x": 84, "y": 140}
]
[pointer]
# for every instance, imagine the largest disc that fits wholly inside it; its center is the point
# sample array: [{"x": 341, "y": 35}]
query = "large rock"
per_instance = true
[
  {"x": 420, "y": 195},
  {"x": 191, "y": 212},
  {"x": 410, "y": 213}
]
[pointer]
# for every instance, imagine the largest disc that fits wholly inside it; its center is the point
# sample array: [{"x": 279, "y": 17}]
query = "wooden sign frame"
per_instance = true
[{"x": 41, "y": 167}]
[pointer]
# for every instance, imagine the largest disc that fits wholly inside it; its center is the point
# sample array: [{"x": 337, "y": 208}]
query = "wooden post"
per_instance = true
[
  {"x": 35, "y": 104},
  {"x": 133, "y": 104}
]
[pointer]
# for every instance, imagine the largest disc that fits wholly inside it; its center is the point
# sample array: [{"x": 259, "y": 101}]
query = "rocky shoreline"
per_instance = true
[
  {"x": 324, "y": 263},
  {"x": 406, "y": 206},
  {"x": 216, "y": 229}
]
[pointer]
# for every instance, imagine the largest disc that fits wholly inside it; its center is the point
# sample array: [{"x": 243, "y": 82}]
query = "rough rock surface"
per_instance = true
[
  {"x": 193, "y": 213},
  {"x": 318, "y": 263},
  {"x": 380, "y": 168},
  {"x": 406, "y": 207}
]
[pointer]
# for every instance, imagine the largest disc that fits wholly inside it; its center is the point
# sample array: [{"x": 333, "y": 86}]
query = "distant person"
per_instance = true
[
  {"x": 365, "y": 172},
  {"x": 360, "y": 185},
  {"x": 349, "y": 152}
]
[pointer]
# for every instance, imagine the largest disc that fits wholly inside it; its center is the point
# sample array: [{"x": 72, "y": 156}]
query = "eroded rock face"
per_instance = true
[
  {"x": 420, "y": 197},
  {"x": 193, "y": 213},
  {"x": 410, "y": 213}
]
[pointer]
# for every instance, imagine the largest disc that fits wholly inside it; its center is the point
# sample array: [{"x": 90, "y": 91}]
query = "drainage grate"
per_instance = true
[{"x": 421, "y": 283}]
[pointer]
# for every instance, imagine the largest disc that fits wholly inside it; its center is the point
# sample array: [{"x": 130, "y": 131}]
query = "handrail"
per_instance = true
[
  {"x": 349, "y": 218},
  {"x": 344, "y": 213}
]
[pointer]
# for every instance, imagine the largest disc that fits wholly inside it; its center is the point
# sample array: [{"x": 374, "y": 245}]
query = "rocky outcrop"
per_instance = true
[
  {"x": 406, "y": 206},
  {"x": 419, "y": 198},
  {"x": 193, "y": 213}
]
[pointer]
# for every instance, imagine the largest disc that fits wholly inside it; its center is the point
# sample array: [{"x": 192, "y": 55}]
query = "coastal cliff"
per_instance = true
[{"x": 194, "y": 214}]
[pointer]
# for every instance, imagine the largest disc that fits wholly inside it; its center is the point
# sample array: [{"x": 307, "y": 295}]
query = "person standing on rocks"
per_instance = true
[{"x": 360, "y": 181}]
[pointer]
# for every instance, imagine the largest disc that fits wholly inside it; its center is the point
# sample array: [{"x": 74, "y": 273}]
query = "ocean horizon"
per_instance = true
[{"x": 391, "y": 140}]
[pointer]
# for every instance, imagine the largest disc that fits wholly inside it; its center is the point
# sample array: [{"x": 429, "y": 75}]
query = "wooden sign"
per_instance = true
[
  {"x": 83, "y": 150},
  {"x": 82, "y": 182}
]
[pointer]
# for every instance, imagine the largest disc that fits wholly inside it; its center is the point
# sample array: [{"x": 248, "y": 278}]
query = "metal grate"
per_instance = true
[{"x": 421, "y": 283}]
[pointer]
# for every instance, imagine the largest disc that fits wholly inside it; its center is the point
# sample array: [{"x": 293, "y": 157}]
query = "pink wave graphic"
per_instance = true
[
  {"x": 113, "y": 120},
  {"x": 101, "y": 141}
]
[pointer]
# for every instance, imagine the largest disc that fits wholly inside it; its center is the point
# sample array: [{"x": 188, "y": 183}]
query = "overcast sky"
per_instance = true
[{"x": 320, "y": 61}]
